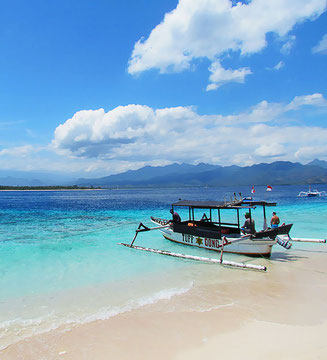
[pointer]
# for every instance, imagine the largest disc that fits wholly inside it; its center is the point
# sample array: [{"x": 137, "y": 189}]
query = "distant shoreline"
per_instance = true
[
  {"x": 46, "y": 188},
  {"x": 54, "y": 190}
]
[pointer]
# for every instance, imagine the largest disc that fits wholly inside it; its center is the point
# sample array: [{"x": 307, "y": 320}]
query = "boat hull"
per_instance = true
[{"x": 247, "y": 246}]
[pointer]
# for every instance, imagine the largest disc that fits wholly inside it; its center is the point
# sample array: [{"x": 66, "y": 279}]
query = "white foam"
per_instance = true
[
  {"x": 17, "y": 329},
  {"x": 106, "y": 313},
  {"x": 215, "y": 307}
]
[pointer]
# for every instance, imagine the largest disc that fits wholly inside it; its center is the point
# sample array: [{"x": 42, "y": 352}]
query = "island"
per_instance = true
[{"x": 47, "y": 188}]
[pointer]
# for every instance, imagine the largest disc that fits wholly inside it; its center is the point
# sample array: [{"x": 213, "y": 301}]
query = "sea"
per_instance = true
[{"x": 61, "y": 263}]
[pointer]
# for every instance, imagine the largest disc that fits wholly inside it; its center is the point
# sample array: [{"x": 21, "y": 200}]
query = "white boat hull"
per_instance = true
[{"x": 244, "y": 246}]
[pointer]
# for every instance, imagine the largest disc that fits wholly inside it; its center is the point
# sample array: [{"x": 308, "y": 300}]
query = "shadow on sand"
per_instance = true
[{"x": 286, "y": 257}]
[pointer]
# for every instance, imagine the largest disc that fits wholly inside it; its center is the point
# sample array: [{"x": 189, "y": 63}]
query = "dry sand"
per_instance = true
[{"x": 281, "y": 314}]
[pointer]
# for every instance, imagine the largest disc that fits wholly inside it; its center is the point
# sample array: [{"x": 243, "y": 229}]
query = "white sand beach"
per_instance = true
[{"x": 281, "y": 314}]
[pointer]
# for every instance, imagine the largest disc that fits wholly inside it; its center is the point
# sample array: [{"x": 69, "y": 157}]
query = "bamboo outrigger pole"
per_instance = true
[
  {"x": 142, "y": 228},
  {"x": 322, "y": 241},
  {"x": 198, "y": 258}
]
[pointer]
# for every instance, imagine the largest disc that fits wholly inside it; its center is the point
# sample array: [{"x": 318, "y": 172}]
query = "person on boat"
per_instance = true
[
  {"x": 274, "y": 222},
  {"x": 249, "y": 225},
  {"x": 176, "y": 217}
]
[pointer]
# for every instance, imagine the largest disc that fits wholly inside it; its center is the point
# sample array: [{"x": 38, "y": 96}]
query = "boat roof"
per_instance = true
[{"x": 237, "y": 204}]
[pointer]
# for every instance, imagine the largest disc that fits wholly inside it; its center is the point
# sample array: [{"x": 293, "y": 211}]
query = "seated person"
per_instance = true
[
  {"x": 249, "y": 225},
  {"x": 176, "y": 217}
]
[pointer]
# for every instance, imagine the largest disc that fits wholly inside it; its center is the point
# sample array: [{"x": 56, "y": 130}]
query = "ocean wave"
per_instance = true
[
  {"x": 165, "y": 294},
  {"x": 12, "y": 331}
]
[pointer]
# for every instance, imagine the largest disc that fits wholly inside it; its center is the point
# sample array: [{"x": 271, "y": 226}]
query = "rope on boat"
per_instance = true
[{"x": 198, "y": 258}]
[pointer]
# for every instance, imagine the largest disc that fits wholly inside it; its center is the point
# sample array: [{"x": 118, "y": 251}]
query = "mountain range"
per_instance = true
[
  {"x": 276, "y": 173},
  {"x": 175, "y": 175}
]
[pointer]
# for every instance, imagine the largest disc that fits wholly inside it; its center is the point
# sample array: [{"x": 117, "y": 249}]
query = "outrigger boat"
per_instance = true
[
  {"x": 312, "y": 193},
  {"x": 212, "y": 233}
]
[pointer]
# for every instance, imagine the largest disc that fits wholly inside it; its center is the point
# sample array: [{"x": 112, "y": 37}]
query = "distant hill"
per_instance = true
[
  {"x": 280, "y": 172},
  {"x": 317, "y": 162},
  {"x": 150, "y": 174},
  {"x": 32, "y": 178},
  {"x": 176, "y": 175},
  {"x": 13, "y": 181}
]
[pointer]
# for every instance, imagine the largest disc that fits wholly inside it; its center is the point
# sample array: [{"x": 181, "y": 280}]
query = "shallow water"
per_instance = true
[{"x": 61, "y": 265}]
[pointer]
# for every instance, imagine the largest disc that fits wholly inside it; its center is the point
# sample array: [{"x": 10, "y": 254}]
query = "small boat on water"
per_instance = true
[
  {"x": 212, "y": 232},
  {"x": 312, "y": 193}
]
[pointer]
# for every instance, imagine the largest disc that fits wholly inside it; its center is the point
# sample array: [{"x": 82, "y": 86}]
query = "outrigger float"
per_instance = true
[{"x": 212, "y": 233}]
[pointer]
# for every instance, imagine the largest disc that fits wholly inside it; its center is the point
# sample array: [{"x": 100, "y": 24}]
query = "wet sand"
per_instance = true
[{"x": 281, "y": 314}]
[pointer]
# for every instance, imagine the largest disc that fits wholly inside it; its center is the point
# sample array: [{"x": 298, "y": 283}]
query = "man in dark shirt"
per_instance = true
[
  {"x": 249, "y": 226},
  {"x": 176, "y": 217}
]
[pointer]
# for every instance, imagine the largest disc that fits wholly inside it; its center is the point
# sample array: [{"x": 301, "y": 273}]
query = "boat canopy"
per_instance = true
[{"x": 237, "y": 204}]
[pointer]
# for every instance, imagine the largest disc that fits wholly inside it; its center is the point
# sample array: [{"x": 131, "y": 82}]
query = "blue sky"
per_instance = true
[{"x": 92, "y": 88}]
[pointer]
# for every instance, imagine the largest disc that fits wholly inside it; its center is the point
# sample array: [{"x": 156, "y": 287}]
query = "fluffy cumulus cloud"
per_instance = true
[
  {"x": 322, "y": 46},
  {"x": 126, "y": 132},
  {"x": 211, "y": 29},
  {"x": 220, "y": 76},
  {"x": 141, "y": 135},
  {"x": 314, "y": 100}
]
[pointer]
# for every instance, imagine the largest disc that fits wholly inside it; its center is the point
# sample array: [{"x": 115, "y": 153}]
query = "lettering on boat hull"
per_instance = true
[
  {"x": 201, "y": 242},
  {"x": 261, "y": 248},
  {"x": 188, "y": 239}
]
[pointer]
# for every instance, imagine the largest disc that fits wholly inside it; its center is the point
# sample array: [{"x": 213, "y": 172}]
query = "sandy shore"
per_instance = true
[{"x": 281, "y": 314}]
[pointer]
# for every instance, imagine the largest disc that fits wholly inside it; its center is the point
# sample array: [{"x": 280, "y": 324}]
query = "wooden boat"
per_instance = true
[{"x": 212, "y": 233}]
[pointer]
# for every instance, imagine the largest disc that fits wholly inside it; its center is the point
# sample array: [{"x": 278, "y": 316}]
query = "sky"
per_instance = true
[{"x": 97, "y": 87}]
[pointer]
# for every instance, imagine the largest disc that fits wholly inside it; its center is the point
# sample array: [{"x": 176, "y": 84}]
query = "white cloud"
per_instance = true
[
  {"x": 220, "y": 76},
  {"x": 21, "y": 151},
  {"x": 210, "y": 28},
  {"x": 270, "y": 150},
  {"x": 318, "y": 150},
  {"x": 313, "y": 100},
  {"x": 129, "y": 137},
  {"x": 288, "y": 45},
  {"x": 279, "y": 65},
  {"x": 322, "y": 46},
  {"x": 139, "y": 135}
]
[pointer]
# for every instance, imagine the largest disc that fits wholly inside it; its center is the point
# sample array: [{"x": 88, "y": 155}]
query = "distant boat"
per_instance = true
[
  {"x": 252, "y": 190},
  {"x": 312, "y": 193},
  {"x": 269, "y": 188}
]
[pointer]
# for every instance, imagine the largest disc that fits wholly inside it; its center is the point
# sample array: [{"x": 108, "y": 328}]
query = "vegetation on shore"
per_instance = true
[{"x": 58, "y": 187}]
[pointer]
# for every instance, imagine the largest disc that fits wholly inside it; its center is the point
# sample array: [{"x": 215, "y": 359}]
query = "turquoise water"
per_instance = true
[{"x": 61, "y": 265}]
